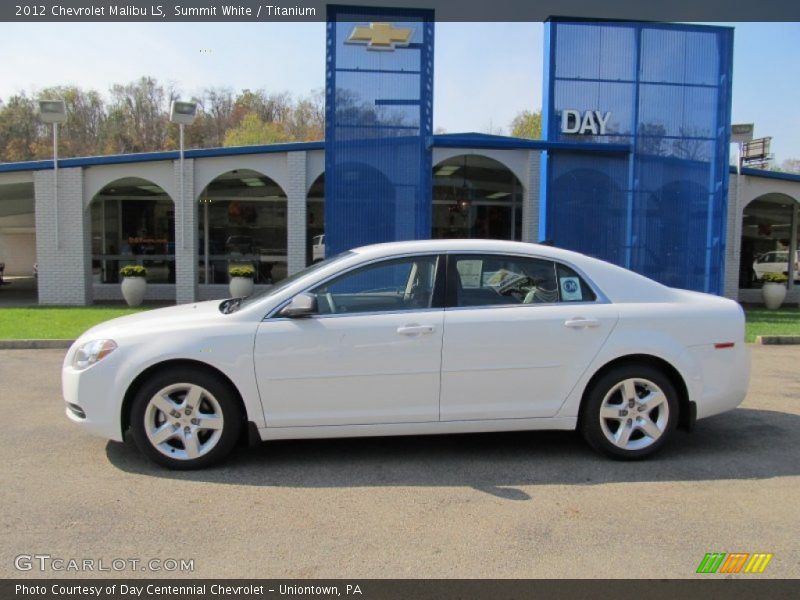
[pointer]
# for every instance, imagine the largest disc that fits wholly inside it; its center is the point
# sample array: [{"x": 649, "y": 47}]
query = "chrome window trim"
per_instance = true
[{"x": 362, "y": 314}]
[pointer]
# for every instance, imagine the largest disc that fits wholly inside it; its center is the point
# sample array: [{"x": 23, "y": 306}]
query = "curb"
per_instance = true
[
  {"x": 778, "y": 340},
  {"x": 35, "y": 344}
]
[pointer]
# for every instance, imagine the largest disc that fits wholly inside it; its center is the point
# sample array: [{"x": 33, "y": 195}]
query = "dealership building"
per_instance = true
[{"x": 633, "y": 168}]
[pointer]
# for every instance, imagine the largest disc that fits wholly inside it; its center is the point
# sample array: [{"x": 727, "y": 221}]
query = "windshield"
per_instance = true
[{"x": 233, "y": 304}]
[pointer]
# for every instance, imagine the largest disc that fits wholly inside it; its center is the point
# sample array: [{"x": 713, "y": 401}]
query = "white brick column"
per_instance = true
[
  {"x": 530, "y": 198},
  {"x": 186, "y": 238},
  {"x": 733, "y": 240},
  {"x": 63, "y": 242},
  {"x": 296, "y": 211}
]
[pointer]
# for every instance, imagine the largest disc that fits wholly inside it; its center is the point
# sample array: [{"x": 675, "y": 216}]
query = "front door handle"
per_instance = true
[
  {"x": 580, "y": 322},
  {"x": 415, "y": 329}
]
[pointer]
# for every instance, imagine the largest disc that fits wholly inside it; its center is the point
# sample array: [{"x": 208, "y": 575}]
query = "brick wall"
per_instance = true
[
  {"x": 186, "y": 237},
  {"x": 296, "y": 211},
  {"x": 530, "y": 198},
  {"x": 63, "y": 240}
]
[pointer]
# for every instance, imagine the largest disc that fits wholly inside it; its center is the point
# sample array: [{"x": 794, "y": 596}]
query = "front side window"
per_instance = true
[
  {"x": 389, "y": 286},
  {"x": 489, "y": 280}
]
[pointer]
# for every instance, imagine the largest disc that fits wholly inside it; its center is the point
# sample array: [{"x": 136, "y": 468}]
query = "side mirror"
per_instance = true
[{"x": 302, "y": 305}]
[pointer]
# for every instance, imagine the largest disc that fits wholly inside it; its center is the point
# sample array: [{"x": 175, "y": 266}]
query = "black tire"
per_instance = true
[
  {"x": 596, "y": 430},
  {"x": 218, "y": 397}
]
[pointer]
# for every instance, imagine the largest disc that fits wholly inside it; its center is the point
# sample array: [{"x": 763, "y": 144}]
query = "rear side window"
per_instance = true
[{"x": 492, "y": 280}]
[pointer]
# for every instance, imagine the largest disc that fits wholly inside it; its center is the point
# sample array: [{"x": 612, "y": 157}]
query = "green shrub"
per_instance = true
[
  {"x": 773, "y": 277},
  {"x": 133, "y": 271},
  {"x": 248, "y": 272}
]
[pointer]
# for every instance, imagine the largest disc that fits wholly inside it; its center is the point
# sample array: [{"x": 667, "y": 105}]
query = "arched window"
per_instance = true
[
  {"x": 476, "y": 197},
  {"x": 767, "y": 241},
  {"x": 242, "y": 222},
  {"x": 133, "y": 222}
]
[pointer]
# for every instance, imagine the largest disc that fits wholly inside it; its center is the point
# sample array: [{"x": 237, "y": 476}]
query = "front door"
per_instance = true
[{"x": 371, "y": 355}]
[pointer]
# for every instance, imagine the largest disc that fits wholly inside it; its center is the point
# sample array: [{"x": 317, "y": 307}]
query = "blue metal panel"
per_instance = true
[
  {"x": 668, "y": 88},
  {"x": 379, "y": 121}
]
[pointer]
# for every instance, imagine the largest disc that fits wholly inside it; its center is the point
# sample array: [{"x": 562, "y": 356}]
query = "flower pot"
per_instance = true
[
  {"x": 773, "y": 294},
  {"x": 241, "y": 287},
  {"x": 133, "y": 289}
]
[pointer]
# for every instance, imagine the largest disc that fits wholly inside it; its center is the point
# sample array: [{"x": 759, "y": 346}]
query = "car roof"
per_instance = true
[{"x": 468, "y": 245}]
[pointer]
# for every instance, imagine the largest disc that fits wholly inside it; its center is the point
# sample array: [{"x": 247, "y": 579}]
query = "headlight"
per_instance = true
[{"x": 92, "y": 352}]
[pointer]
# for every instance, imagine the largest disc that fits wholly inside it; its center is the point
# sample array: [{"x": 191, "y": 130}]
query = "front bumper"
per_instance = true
[{"x": 91, "y": 391}]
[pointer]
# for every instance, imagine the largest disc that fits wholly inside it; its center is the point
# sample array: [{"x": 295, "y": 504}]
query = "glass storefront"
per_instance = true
[
  {"x": 473, "y": 197},
  {"x": 242, "y": 222},
  {"x": 133, "y": 223},
  {"x": 476, "y": 197},
  {"x": 767, "y": 240}
]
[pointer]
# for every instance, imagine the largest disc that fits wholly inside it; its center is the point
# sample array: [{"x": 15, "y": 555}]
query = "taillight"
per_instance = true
[{"x": 722, "y": 345}]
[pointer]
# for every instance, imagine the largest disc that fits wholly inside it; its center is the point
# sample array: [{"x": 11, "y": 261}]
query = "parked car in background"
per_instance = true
[
  {"x": 424, "y": 337},
  {"x": 318, "y": 248},
  {"x": 776, "y": 261}
]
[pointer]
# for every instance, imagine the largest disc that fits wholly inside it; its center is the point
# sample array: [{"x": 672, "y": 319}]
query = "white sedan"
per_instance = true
[{"x": 407, "y": 338}]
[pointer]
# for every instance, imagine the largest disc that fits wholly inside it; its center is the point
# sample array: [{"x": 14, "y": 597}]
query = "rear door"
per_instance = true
[{"x": 519, "y": 332}]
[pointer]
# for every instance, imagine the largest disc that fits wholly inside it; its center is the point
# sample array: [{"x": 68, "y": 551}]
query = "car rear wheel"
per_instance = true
[
  {"x": 630, "y": 412},
  {"x": 185, "y": 419}
]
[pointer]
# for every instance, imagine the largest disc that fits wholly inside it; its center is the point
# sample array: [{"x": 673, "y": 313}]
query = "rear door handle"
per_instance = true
[
  {"x": 415, "y": 329},
  {"x": 580, "y": 322}
]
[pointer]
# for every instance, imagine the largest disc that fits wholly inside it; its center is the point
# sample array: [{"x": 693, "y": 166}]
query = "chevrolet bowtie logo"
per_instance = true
[{"x": 380, "y": 36}]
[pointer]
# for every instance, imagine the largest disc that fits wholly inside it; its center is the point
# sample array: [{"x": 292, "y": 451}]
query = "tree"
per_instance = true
[
  {"x": 21, "y": 132},
  {"x": 252, "y": 130},
  {"x": 83, "y": 133},
  {"x": 138, "y": 117},
  {"x": 790, "y": 165},
  {"x": 214, "y": 118},
  {"x": 306, "y": 119},
  {"x": 527, "y": 124}
]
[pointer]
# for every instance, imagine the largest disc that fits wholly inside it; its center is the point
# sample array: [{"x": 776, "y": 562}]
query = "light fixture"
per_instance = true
[
  {"x": 52, "y": 111},
  {"x": 497, "y": 195},
  {"x": 183, "y": 113},
  {"x": 447, "y": 170},
  {"x": 253, "y": 182}
]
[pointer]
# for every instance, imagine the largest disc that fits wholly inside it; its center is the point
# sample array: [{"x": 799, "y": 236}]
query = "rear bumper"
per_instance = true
[{"x": 725, "y": 376}]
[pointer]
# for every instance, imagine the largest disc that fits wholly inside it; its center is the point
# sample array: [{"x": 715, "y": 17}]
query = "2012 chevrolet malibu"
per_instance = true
[{"x": 440, "y": 336}]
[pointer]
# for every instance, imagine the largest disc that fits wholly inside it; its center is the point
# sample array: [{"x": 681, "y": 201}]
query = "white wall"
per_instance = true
[{"x": 18, "y": 244}]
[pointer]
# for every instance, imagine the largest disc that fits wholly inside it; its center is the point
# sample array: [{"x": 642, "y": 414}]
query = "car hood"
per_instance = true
[{"x": 156, "y": 321}]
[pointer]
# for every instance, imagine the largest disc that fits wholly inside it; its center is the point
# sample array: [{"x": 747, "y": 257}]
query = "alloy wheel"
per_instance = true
[
  {"x": 634, "y": 414},
  {"x": 183, "y": 421}
]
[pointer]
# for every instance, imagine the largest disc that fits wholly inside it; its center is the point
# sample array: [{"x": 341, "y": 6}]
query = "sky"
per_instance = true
[{"x": 484, "y": 73}]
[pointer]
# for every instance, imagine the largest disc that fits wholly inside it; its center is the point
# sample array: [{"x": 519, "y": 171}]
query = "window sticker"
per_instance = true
[
  {"x": 470, "y": 272},
  {"x": 570, "y": 289}
]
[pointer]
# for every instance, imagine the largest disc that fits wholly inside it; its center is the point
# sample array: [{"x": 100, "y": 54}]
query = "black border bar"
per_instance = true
[
  {"x": 446, "y": 10},
  {"x": 705, "y": 587}
]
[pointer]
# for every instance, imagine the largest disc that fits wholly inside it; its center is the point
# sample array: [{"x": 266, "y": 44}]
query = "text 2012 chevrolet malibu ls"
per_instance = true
[{"x": 441, "y": 336}]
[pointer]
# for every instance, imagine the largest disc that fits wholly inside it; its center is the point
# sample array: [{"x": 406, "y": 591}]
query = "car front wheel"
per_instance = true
[
  {"x": 185, "y": 419},
  {"x": 630, "y": 412}
]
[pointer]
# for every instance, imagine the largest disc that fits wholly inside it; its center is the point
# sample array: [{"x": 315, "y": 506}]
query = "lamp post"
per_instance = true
[
  {"x": 182, "y": 113},
  {"x": 55, "y": 112}
]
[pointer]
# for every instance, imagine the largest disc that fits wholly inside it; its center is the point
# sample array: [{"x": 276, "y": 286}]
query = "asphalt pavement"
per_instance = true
[{"x": 496, "y": 505}]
